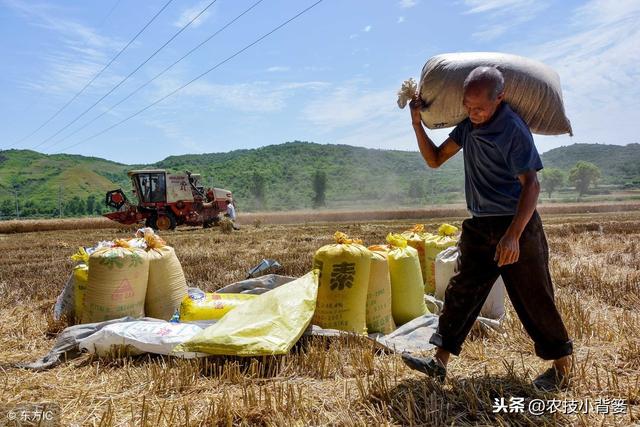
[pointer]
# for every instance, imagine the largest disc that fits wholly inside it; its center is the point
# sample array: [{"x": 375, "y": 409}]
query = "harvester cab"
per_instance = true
[{"x": 166, "y": 200}]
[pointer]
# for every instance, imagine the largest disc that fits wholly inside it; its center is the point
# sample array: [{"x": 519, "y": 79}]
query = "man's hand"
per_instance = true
[
  {"x": 508, "y": 249},
  {"x": 415, "y": 106}
]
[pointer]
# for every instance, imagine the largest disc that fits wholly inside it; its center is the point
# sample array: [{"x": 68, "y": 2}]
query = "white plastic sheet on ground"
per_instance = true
[{"x": 149, "y": 336}]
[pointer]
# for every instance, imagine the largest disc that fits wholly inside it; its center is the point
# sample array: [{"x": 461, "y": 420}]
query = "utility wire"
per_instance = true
[
  {"x": 228, "y": 24},
  {"x": 115, "y": 5},
  {"x": 61, "y": 109},
  {"x": 184, "y": 27},
  {"x": 229, "y": 58}
]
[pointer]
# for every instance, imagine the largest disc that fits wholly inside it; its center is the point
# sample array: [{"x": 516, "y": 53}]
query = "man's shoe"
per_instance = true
[
  {"x": 427, "y": 365},
  {"x": 552, "y": 380}
]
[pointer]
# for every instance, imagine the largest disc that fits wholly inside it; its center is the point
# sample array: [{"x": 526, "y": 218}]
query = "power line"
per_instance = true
[
  {"x": 115, "y": 5},
  {"x": 196, "y": 78},
  {"x": 229, "y": 58},
  {"x": 84, "y": 45},
  {"x": 61, "y": 109},
  {"x": 127, "y": 77},
  {"x": 228, "y": 24}
]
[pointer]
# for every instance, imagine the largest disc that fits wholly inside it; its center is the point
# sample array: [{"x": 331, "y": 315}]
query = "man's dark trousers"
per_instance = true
[{"x": 527, "y": 281}]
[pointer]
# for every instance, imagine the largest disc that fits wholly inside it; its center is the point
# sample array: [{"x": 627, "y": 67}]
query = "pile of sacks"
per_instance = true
[
  {"x": 351, "y": 288},
  {"x": 265, "y": 324},
  {"x": 377, "y": 288},
  {"x": 137, "y": 277}
]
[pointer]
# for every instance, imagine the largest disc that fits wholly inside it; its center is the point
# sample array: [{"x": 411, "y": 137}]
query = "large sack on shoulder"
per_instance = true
[
  {"x": 268, "y": 324},
  {"x": 379, "y": 315},
  {"x": 407, "y": 287},
  {"x": 117, "y": 283},
  {"x": 167, "y": 285},
  {"x": 344, "y": 280},
  {"x": 531, "y": 88}
]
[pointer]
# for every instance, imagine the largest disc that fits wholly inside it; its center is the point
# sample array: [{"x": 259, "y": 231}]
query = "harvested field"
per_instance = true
[
  {"x": 303, "y": 217},
  {"x": 595, "y": 263}
]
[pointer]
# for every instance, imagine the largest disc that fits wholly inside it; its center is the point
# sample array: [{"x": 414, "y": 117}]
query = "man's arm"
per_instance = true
[
  {"x": 508, "y": 249},
  {"x": 433, "y": 155}
]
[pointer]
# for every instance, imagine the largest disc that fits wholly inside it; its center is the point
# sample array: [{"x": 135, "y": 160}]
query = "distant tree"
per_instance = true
[
  {"x": 416, "y": 189},
  {"x": 7, "y": 208},
  {"x": 91, "y": 204},
  {"x": 258, "y": 189},
  {"x": 75, "y": 207},
  {"x": 319, "y": 188},
  {"x": 551, "y": 179},
  {"x": 29, "y": 209},
  {"x": 582, "y": 175}
]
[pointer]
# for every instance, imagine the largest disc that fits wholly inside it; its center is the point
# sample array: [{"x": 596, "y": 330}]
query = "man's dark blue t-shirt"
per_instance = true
[{"x": 494, "y": 155}]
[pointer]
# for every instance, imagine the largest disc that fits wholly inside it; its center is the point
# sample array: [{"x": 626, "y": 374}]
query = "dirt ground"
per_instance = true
[{"x": 595, "y": 264}]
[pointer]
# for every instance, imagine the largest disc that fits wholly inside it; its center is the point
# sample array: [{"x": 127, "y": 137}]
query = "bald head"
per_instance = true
[{"x": 487, "y": 79}]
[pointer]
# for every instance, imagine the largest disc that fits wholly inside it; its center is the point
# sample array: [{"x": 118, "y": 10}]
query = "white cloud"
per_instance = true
[
  {"x": 483, "y": 6},
  {"x": 316, "y": 68},
  {"x": 354, "y": 114},
  {"x": 598, "y": 66},
  {"x": 353, "y": 36},
  {"x": 277, "y": 69},
  {"x": 408, "y": 3},
  {"x": 174, "y": 132},
  {"x": 81, "y": 54},
  {"x": 257, "y": 97},
  {"x": 400, "y": 19},
  {"x": 502, "y": 15},
  {"x": 348, "y": 105},
  {"x": 367, "y": 28},
  {"x": 191, "y": 12}
]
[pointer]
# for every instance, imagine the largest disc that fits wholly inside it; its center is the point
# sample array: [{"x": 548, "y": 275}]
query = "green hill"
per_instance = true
[
  {"x": 620, "y": 164},
  {"x": 356, "y": 177},
  {"x": 354, "y": 174}
]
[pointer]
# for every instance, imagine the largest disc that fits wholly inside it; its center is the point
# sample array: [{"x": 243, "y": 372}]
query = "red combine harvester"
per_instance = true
[{"x": 166, "y": 200}]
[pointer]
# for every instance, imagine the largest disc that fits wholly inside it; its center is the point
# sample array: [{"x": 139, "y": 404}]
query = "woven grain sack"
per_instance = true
[
  {"x": 435, "y": 244},
  {"x": 80, "y": 281},
  {"x": 117, "y": 283},
  {"x": 268, "y": 324},
  {"x": 379, "y": 316},
  {"x": 407, "y": 287},
  {"x": 416, "y": 238},
  {"x": 447, "y": 266},
  {"x": 344, "y": 280},
  {"x": 198, "y": 305},
  {"x": 531, "y": 88},
  {"x": 167, "y": 285}
]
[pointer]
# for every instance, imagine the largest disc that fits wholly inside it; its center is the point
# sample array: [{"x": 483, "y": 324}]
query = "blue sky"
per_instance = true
[{"x": 330, "y": 77}]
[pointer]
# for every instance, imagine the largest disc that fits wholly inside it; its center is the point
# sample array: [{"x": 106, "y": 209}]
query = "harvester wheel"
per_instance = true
[{"x": 163, "y": 221}]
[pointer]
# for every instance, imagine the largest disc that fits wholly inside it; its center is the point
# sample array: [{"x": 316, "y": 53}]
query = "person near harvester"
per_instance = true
[
  {"x": 503, "y": 237},
  {"x": 231, "y": 213}
]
